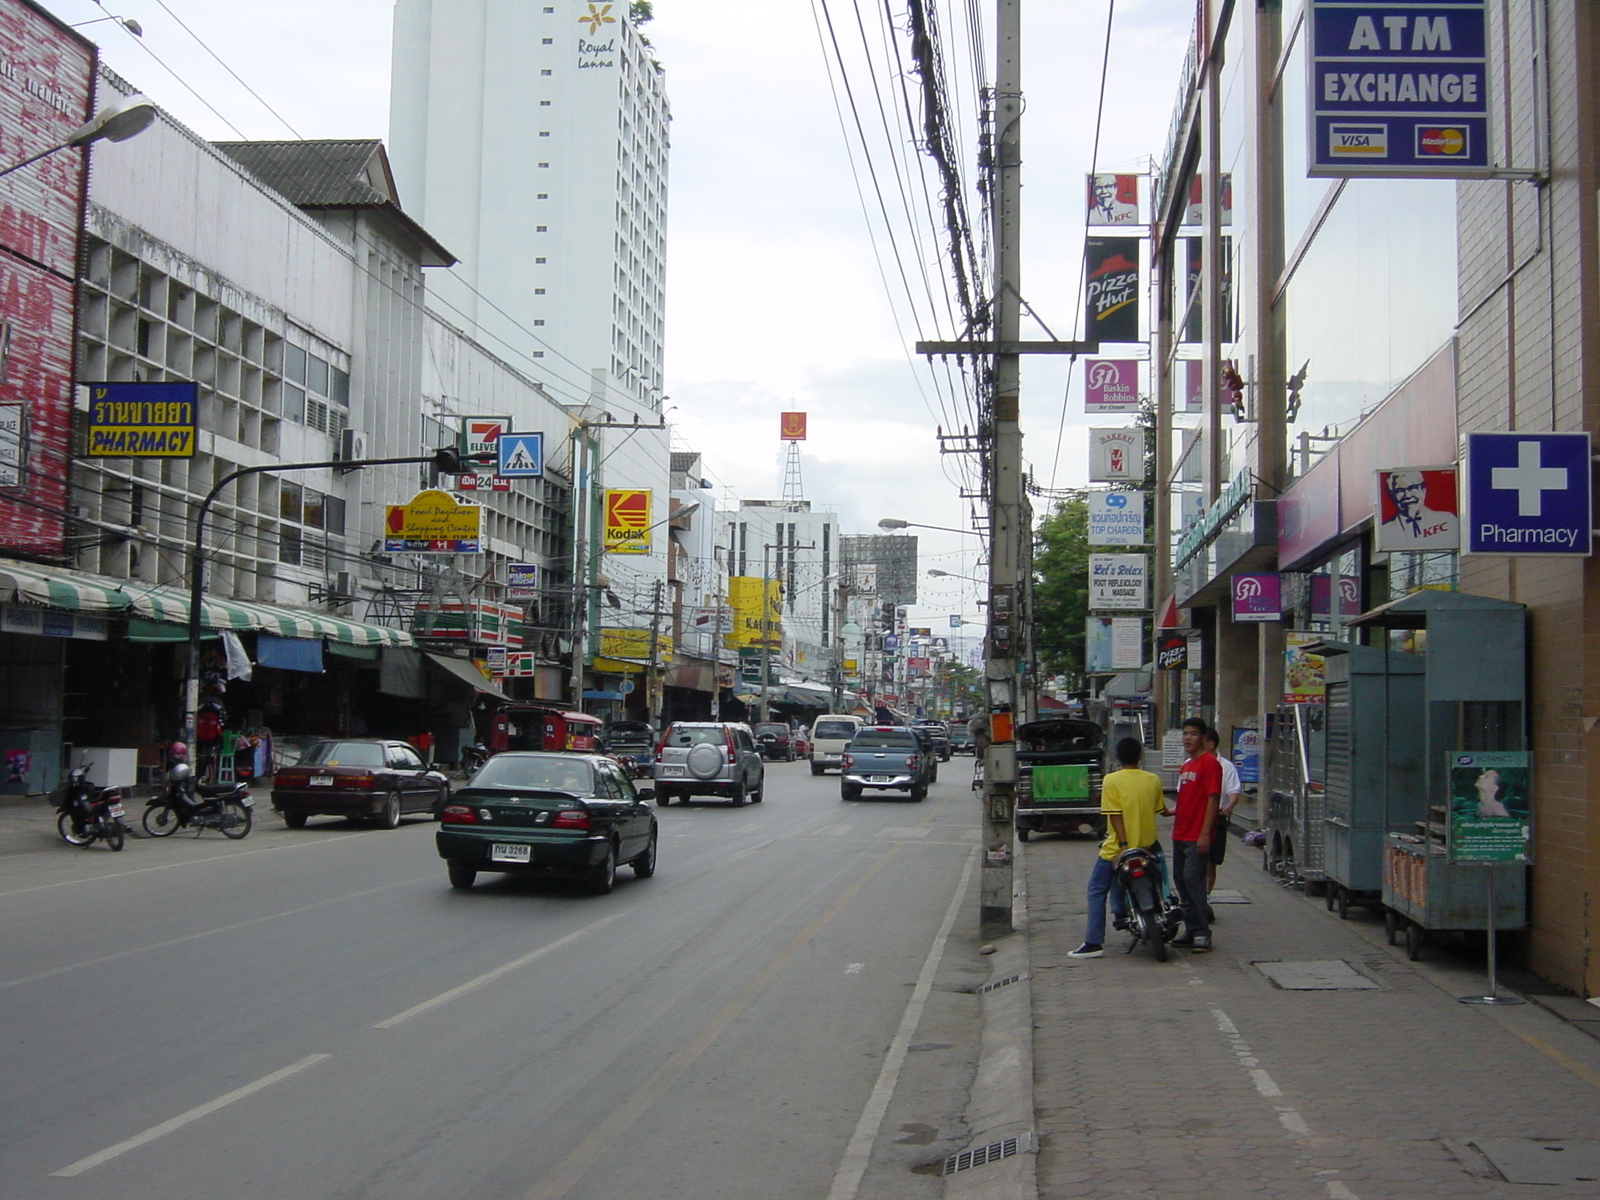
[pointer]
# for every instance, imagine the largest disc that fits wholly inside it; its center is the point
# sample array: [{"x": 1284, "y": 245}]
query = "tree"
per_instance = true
[{"x": 1061, "y": 587}]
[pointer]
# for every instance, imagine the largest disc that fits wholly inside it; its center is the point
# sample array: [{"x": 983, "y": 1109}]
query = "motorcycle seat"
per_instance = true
[{"x": 216, "y": 789}]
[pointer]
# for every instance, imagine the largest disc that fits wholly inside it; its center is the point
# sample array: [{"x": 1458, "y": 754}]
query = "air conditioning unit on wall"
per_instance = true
[{"x": 352, "y": 446}]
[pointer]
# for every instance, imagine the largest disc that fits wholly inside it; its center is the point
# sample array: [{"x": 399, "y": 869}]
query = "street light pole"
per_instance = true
[{"x": 444, "y": 458}]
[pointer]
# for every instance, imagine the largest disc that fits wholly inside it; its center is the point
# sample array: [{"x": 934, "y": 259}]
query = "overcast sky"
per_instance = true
[{"x": 775, "y": 300}]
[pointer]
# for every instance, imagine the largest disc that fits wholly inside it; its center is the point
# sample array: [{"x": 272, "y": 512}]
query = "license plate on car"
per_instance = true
[
  {"x": 879, "y": 778},
  {"x": 672, "y": 770},
  {"x": 506, "y": 852},
  {"x": 115, "y": 810},
  {"x": 322, "y": 781}
]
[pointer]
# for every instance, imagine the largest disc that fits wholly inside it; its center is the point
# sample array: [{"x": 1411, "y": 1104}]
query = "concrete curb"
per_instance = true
[{"x": 1001, "y": 1103}]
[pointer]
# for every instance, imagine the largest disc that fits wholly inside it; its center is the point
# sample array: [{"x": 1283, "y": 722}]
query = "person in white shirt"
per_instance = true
[{"x": 1231, "y": 788}]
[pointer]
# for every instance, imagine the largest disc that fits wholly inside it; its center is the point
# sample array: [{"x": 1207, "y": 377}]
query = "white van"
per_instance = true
[{"x": 830, "y": 734}]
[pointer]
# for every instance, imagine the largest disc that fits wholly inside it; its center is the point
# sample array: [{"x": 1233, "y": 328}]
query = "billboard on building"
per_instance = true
[
  {"x": 1110, "y": 385},
  {"x": 433, "y": 522},
  {"x": 1417, "y": 509},
  {"x": 792, "y": 426},
  {"x": 1127, "y": 643},
  {"x": 893, "y": 559},
  {"x": 45, "y": 94},
  {"x": 1397, "y": 89},
  {"x": 141, "y": 420},
  {"x": 757, "y": 611},
  {"x": 1113, "y": 200},
  {"x": 627, "y": 520},
  {"x": 1111, "y": 267},
  {"x": 1257, "y": 596}
]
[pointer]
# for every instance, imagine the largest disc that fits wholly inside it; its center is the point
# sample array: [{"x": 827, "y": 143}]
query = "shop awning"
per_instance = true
[
  {"x": 56, "y": 587},
  {"x": 467, "y": 673},
  {"x": 79, "y": 591}
]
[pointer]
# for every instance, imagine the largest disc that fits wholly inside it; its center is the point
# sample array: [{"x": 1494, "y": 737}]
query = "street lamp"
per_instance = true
[
  {"x": 447, "y": 460},
  {"x": 938, "y": 574},
  {"x": 889, "y": 523},
  {"x": 116, "y": 123}
]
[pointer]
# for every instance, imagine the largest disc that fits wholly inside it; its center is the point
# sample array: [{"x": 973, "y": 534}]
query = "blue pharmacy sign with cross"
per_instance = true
[
  {"x": 521, "y": 455},
  {"x": 1528, "y": 494}
]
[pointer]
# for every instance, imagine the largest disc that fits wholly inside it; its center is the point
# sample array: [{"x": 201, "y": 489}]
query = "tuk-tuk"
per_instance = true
[
  {"x": 1060, "y": 762},
  {"x": 533, "y": 727}
]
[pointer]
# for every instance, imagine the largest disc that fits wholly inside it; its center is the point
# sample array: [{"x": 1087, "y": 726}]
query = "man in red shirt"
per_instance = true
[{"x": 1199, "y": 789}]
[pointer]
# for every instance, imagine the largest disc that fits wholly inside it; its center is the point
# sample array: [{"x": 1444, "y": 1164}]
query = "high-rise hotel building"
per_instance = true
[{"x": 531, "y": 138}]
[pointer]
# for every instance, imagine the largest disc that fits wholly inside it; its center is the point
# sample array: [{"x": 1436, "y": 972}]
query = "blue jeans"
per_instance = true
[
  {"x": 1189, "y": 872},
  {"x": 1101, "y": 880}
]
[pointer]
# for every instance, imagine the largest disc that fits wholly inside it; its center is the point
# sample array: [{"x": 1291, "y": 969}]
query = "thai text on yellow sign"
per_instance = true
[{"x": 755, "y": 622}]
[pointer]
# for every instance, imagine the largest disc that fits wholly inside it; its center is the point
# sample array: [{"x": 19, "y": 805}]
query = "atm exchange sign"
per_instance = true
[{"x": 1398, "y": 89}]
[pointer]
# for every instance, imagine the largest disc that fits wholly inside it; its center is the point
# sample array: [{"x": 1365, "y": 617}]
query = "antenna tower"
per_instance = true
[{"x": 794, "y": 492}]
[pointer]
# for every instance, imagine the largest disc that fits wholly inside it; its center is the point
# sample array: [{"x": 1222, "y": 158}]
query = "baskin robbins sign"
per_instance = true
[{"x": 1110, "y": 385}]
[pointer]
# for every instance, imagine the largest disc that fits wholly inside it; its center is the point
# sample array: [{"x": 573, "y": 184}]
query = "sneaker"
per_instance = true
[
  {"x": 1200, "y": 944},
  {"x": 1087, "y": 950},
  {"x": 1183, "y": 939}
]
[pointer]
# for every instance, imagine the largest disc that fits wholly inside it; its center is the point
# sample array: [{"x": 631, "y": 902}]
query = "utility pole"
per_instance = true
[
  {"x": 841, "y": 597},
  {"x": 1006, "y": 504},
  {"x": 652, "y": 685},
  {"x": 1008, "y": 510}
]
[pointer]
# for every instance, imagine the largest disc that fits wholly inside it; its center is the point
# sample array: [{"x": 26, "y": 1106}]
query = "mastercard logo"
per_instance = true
[{"x": 1450, "y": 141}]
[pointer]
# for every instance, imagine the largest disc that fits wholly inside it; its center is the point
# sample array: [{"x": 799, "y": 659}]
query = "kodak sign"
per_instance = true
[{"x": 627, "y": 520}]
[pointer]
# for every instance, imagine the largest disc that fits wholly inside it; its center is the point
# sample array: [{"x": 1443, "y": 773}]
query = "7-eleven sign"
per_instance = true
[{"x": 481, "y": 435}]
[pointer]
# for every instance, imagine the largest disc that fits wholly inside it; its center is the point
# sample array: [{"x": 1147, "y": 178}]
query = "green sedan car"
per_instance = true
[{"x": 538, "y": 813}]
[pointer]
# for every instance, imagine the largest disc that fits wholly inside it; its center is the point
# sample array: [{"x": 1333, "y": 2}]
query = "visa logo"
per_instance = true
[{"x": 1358, "y": 141}]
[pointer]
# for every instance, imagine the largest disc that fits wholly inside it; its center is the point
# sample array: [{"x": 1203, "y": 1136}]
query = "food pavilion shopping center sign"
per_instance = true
[{"x": 1398, "y": 89}]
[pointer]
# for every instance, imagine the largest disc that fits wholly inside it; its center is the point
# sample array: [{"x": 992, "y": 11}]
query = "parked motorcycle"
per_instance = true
[
  {"x": 1149, "y": 914},
  {"x": 182, "y": 804},
  {"x": 89, "y": 813},
  {"x": 473, "y": 757}
]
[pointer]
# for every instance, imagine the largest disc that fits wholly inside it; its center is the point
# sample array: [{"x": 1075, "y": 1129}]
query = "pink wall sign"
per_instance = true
[
  {"x": 1110, "y": 385},
  {"x": 1257, "y": 597}
]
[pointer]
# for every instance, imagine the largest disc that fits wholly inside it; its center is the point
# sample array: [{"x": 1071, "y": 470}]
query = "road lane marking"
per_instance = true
[
  {"x": 858, "y": 1152},
  {"x": 194, "y": 937},
  {"x": 45, "y": 887},
  {"x": 504, "y": 968},
  {"x": 854, "y": 968},
  {"x": 182, "y": 1119},
  {"x": 566, "y": 1174}
]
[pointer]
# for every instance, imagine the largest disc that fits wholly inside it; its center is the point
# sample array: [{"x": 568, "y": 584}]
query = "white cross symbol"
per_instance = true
[{"x": 1528, "y": 479}]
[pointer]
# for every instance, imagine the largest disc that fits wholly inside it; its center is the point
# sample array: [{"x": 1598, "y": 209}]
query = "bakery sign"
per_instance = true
[{"x": 1117, "y": 455}]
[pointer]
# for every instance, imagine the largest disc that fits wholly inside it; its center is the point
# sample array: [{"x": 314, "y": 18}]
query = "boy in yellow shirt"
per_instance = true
[{"x": 1130, "y": 798}]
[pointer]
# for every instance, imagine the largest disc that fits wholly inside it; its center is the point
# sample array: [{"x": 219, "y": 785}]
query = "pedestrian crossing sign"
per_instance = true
[{"x": 521, "y": 455}]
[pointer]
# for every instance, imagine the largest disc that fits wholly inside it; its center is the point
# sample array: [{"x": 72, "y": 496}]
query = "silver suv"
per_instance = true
[{"x": 709, "y": 758}]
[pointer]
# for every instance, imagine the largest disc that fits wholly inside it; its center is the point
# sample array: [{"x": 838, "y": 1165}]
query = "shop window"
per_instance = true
[
  {"x": 316, "y": 375},
  {"x": 314, "y": 509},
  {"x": 294, "y": 363},
  {"x": 289, "y": 545},
  {"x": 291, "y": 502}
]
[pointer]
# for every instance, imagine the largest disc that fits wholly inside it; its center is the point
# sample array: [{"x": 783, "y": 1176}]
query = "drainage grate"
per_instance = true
[
  {"x": 1316, "y": 976},
  {"x": 1523, "y": 1160},
  {"x": 998, "y": 984},
  {"x": 984, "y": 1155}
]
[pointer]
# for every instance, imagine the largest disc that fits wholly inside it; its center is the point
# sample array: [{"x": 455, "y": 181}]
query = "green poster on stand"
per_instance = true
[{"x": 1490, "y": 806}]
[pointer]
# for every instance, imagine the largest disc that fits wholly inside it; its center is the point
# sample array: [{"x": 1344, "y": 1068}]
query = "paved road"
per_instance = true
[{"x": 778, "y": 1013}]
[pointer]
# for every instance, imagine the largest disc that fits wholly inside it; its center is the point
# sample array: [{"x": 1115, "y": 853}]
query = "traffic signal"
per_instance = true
[{"x": 447, "y": 461}]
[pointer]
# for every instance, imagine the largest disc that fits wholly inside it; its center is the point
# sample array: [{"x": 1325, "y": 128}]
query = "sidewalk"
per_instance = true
[{"x": 1202, "y": 1076}]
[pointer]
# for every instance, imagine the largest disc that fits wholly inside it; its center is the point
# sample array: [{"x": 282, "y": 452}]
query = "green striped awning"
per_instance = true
[
  {"x": 80, "y": 591},
  {"x": 57, "y": 587}
]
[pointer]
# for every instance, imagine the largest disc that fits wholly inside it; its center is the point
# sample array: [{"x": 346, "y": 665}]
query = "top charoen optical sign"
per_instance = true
[{"x": 1398, "y": 89}]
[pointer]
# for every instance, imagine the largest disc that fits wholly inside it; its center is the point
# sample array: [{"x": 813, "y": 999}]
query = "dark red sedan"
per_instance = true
[{"x": 363, "y": 778}]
